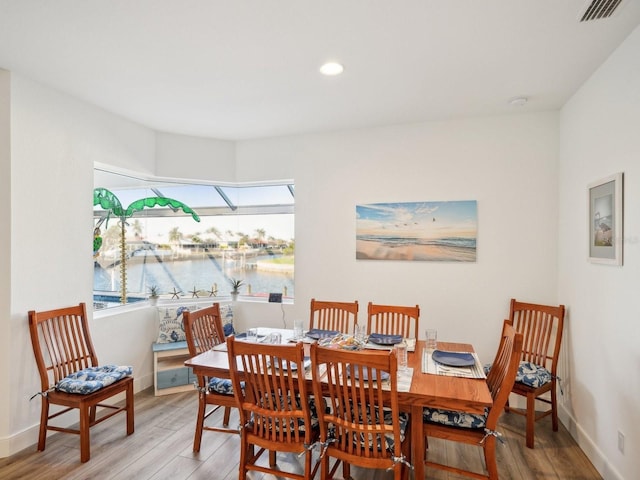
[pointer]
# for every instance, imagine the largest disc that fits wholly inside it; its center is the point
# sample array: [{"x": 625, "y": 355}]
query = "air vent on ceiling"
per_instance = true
[{"x": 596, "y": 9}]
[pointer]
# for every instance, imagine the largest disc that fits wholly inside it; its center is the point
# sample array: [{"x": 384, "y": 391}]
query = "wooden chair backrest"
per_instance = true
[
  {"x": 341, "y": 316},
  {"x": 61, "y": 343},
  {"x": 350, "y": 399},
  {"x": 203, "y": 329},
  {"x": 502, "y": 375},
  {"x": 393, "y": 320},
  {"x": 541, "y": 326},
  {"x": 267, "y": 399}
]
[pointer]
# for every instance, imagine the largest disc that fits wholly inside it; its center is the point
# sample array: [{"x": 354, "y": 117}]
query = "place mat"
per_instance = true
[
  {"x": 429, "y": 365},
  {"x": 411, "y": 345},
  {"x": 403, "y": 381},
  {"x": 221, "y": 347}
]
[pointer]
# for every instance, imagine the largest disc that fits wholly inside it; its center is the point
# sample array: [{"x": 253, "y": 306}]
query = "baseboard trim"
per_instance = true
[{"x": 588, "y": 446}]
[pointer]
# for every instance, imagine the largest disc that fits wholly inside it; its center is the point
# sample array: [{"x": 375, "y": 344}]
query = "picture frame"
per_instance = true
[{"x": 606, "y": 220}]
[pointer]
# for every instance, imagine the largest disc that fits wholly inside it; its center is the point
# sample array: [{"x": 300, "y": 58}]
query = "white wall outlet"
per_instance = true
[{"x": 620, "y": 441}]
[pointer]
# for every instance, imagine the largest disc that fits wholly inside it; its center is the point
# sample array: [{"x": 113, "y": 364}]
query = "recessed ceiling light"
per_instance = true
[
  {"x": 518, "y": 101},
  {"x": 331, "y": 68}
]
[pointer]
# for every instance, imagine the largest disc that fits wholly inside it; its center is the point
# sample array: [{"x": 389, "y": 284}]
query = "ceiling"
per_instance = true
[{"x": 243, "y": 69}]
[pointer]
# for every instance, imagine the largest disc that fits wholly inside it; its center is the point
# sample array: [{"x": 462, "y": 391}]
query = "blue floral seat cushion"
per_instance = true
[
  {"x": 315, "y": 426},
  {"x": 403, "y": 419},
  {"x": 455, "y": 419},
  {"x": 222, "y": 386},
  {"x": 91, "y": 379},
  {"x": 529, "y": 374}
]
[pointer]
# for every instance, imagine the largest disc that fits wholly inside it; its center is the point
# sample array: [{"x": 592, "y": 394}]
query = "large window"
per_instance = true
[{"x": 244, "y": 232}]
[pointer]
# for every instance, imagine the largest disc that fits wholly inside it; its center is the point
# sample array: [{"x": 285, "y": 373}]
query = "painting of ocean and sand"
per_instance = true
[{"x": 421, "y": 231}]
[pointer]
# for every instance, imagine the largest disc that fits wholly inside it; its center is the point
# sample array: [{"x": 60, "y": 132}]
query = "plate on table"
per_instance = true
[
  {"x": 454, "y": 359},
  {"x": 380, "y": 339},
  {"x": 317, "y": 333},
  {"x": 384, "y": 376}
]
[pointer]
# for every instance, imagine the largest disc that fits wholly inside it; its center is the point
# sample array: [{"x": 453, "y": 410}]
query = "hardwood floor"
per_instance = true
[{"x": 161, "y": 448}]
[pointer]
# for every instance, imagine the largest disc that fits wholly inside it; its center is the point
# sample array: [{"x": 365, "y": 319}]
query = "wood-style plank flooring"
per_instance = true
[{"x": 161, "y": 448}]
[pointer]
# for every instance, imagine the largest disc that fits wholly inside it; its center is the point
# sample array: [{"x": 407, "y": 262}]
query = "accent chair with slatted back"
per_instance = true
[
  {"x": 340, "y": 316},
  {"x": 480, "y": 429},
  {"x": 67, "y": 362},
  {"x": 362, "y": 424},
  {"x": 203, "y": 331},
  {"x": 275, "y": 407},
  {"x": 541, "y": 327},
  {"x": 393, "y": 320}
]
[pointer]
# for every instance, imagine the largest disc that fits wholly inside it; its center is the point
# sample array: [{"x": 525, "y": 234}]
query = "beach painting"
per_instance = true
[{"x": 420, "y": 231}]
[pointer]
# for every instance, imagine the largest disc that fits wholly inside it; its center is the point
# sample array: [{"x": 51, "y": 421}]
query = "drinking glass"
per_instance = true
[
  {"x": 431, "y": 335},
  {"x": 275, "y": 338},
  {"x": 401, "y": 355},
  {"x": 360, "y": 332},
  {"x": 298, "y": 326},
  {"x": 252, "y": 335}
]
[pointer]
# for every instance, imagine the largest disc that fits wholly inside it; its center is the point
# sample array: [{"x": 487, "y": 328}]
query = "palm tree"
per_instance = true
[
  {"x": 109, "y": 202},
  {"x": 175, "y": 235},
  {"x": 215, "y": 231},
  {"x": 260, "y": 233}
]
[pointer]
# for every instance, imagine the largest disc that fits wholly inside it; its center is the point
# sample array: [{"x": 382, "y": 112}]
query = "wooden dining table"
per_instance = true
[{"x": 427, "y": 390}]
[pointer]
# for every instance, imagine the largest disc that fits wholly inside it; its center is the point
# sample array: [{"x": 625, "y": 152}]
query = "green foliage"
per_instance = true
[
  {"x": 154, "y": 291},
  {"x": 236, "y": 284}
]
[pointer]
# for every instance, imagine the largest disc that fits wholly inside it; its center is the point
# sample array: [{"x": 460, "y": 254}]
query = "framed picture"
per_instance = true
[
  {"x": 417, "y": 231},
  {"x": 605, "y": 220}
]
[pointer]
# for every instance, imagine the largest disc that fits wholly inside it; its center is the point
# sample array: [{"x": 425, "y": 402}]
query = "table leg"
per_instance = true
[{"x": 417, "y": 442}]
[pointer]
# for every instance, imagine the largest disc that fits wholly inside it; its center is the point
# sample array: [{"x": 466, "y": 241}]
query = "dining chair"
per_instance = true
[
  {"x": 203, "y": 331},
  {"x": 541, "y": 326},
  {"x": 72, "y": 377},
  {"x": 362, "y": 424},
  {"x": 276, "y": 412},
  {"x": 340, "y": 316},
  {"x": 479, "y": 429},
  {"x": 393, "y": 320}
]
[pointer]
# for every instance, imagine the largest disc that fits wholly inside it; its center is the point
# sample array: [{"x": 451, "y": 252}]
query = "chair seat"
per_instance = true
[
  {"x": 529, "y": 374},
  {"x": 222, "y": 386},
  {"x": 403, "y": 419},
  {"x": 532, "y": 375},
  {"x": 91, "y": 379},
  {"x": 455, "y": 419}
]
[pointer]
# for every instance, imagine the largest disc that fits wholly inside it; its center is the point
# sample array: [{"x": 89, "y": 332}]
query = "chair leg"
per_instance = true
[
  {"x": 227, "y": 414},
  {"x": 346, "y": 470},
  {"x": 130, "y": 411},
  {"x": 244, "y": 453},
  {"x": 554, "y": 407},
  {"x": 272, "y": 458},
  {"x": 85, "y": 441},
  {"x": 324, "y": 467},
  {"x": 490, "y": 457},
  {"x": 506, "y": 406},
  {"x": 202, "y": 406},
  {"x": 531, "y": 419},
  {"x": 44, "y": 422}
]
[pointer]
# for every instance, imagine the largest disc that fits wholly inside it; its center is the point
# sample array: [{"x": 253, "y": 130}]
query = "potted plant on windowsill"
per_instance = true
[
  {"x": 154, "y": 294},
  {"x": 235, "y": 288}
]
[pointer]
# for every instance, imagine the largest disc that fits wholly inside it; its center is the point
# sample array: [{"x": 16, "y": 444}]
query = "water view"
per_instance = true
[{"x": 203, "y": 272}]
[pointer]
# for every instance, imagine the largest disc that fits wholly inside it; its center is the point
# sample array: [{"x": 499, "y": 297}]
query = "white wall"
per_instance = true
[
  {"x": 599, "y": 136},
  {"x": 5, "y": 238},
  {"x": 180, "y": 156}
]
